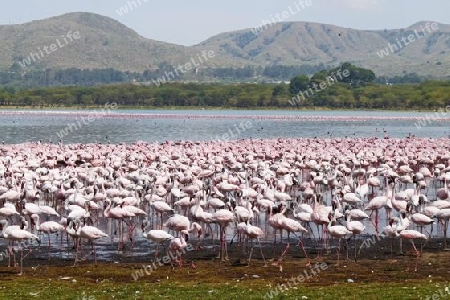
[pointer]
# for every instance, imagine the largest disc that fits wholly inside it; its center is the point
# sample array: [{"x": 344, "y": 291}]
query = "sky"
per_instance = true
[{"x": 191, "y": 22}]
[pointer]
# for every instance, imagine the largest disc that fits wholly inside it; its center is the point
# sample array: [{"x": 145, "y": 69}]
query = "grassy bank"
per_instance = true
[{"x": 211, "y": 279}]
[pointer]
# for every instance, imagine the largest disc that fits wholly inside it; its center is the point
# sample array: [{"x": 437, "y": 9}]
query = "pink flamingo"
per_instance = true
[
  {"x": 377, "y": 203},
  {"x": 411, "y": 235},
  {"x": 223, "y": 217},
  {"x": 338, "y": 231},
  {"x": 356, "y": 227},
  {"x": 47, "y": 227},
  {"x": 178, "y": 245},
  {"x": 156, "y": 236},
  {"x": 254, "y": 232},
  {"x": 119, "y": 214},
  {"x": 444, "y": 215},
  {"x": 7, "y": 228},
  {"x": 19, "y": 235},
  {"x": 293, "y": 226},
  {"x": 90, "y": 233}
]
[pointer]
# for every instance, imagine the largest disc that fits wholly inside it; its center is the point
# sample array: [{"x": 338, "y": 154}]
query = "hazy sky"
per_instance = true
[{"x": 190, "y": 22}]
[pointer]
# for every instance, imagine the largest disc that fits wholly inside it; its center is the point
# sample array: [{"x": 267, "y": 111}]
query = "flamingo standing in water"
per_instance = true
[
  {"x": 275, "y": 220},
  {"x": 156, "y": 236},
  {"x": 293, "y": 226},
  {"x": 5, "y": 228},
  {"x": 411, "y": 235},
  {"x": 90, "y": 233},
  {"x": 420, "y": 219},
  {"x": 444, "y": 215},
  {"x": 337, "y": 231},
  {"x": 46, "y": 227},
  {"x": 320, "y": 218},
  {"x": 379, "y": 202},
  {"x": 223, "y": 217},
  {"x": 119, "y": 214},
  {"x": 253, "y": 232},
  {"x": 19, "y": 235},
  {"x": 356, "y": 227},
  {"x": 178, "y": 245},
  {"x": 178, "y": 223}
]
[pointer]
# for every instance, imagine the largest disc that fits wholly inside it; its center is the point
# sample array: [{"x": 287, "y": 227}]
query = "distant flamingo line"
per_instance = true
[{"x": 299, "y": 117}]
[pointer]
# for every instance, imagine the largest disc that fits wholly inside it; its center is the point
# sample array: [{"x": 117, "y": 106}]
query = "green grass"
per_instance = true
[
  {"x": 105, "y": 288},
  {"x": 213, "y": 280}
]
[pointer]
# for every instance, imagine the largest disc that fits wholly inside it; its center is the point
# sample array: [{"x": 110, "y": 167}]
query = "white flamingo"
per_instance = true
[
  {"x": 156, "y": 236},
  {"x": 47, "y": 227},
  {"x": 90, "y": 233},
  {"x": 19, "y": 235}
]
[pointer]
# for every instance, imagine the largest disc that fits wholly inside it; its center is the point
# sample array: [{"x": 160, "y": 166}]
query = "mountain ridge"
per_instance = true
[{"x": 107, "y": 43}]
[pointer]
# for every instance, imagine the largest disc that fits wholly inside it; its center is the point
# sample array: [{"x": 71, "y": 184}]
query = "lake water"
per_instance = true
[{"x": 117, "y": 126}]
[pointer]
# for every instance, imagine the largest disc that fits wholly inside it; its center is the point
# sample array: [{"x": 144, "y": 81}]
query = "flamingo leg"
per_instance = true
[
  {"x": 222, "y": 246},
  {"x": 212, "y": 233},
  {"x": 76, "y": 251},
  {"x": 48, "y": 236},
  {"x": 300, "y": 243},
  {"x": 10, "y": 252},
  {"x": 445, "y": 233},
  {"x": 260, "y": 248},
  {"x": 95, "y": 252},
  {"x": 417, "y": 255},
  {"x": 282, "y": 255},
  {"x": 157, "y": 250},
  {"x": 319, "y": 248},
  {"x": 338, "y": 251},
  {"x": 14, "y": 257},
  {"x": 21, "y": 261},
  {"x": 376, "y": 221},
  {"x": 392, "y": 246},
  {"x": 274, "y": 242},
  {"x": 250, "y": 256},
  {"x": 225, "y": 244}
]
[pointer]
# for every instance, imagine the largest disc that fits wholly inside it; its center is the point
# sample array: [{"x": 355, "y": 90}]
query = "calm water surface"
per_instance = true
[{"x": 160, "y": 125}]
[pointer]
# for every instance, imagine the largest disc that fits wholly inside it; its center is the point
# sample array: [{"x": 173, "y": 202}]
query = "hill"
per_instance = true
[
  {"x": 106, "y": 43},
  {"x": 103, "y": 43},
  {"x": 298, "y": 43}
]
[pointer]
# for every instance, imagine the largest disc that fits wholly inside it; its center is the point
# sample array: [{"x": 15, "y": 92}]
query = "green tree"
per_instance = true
[
  {"x": 279, "y": 90},
  {"x": 298, "y": 83},
  {"x": 356, "y": 75},
  {"x": 320, "y": 76}
]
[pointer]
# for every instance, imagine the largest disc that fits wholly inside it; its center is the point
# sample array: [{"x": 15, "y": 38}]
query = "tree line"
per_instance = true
[
  {"x": 24, "y": 78},
  {"x": 345, "y": 87},
  {"x": 425, "y": 95},
  {"x": 19, "y": 77}
]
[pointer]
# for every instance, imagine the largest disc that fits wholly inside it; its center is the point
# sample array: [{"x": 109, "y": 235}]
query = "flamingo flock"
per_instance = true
[
  {"x": 317, "y": 189},
  {"x": 281, "y": 117}
]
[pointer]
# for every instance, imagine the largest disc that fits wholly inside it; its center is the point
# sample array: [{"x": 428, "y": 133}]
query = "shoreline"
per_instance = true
[{"x": 210, "y": 108}]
